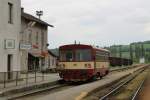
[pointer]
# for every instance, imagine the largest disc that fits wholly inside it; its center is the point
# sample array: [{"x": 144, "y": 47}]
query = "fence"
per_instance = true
[{"x": 18, "y": 78}]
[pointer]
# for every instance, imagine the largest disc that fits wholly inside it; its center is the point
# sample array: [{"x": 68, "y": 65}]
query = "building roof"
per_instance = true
[
  {"x": 32, "y": 18},
  {"x": 37, "y": 55},
  {"x": 49, "y": 51}
]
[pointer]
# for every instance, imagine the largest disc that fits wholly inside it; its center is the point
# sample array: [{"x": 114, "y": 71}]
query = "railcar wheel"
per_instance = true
[
  {"x": 98, "y": 75},
  {"x": 101, "y": 76},
  {"x": 62, "y": 81},
  {"x": 93, "y": 78},
  {"x": 106, "y": 73}
]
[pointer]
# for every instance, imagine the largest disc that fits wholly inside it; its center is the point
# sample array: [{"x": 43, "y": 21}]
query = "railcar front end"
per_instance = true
[
  {"x": 76, "y": 62},
  {"x": 82, "y": 62}
]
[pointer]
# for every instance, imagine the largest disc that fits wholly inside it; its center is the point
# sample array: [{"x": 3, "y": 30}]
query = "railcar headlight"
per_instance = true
[
  {"x": 85, "y": 65},
  {"x": 59, "y": 65},
  {"x": 63, "y": 65},
  {"x": 89, "y": 65},
  {"x": 75, "y": 64}
]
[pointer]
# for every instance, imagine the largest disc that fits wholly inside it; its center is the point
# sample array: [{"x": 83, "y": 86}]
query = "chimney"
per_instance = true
[{"x": 22, "y": 10}]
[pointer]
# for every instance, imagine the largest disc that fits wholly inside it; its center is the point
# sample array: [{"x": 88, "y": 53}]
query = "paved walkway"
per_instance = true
[{"x": 31, "y": 81}]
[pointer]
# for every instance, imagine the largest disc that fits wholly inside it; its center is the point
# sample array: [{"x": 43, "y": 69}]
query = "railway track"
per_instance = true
[
  {"x": 123, "y": 90},
  {"x": 125, "y": 68},
  {"x": 50, "y": 89},
  {"x": 111, "y": 90},
  {"x": 140, "y": 93},
  {"x": 138, "y": 90}
]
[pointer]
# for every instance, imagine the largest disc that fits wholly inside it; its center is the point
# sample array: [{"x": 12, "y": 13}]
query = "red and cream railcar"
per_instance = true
[{"x": 80, "y": 62}]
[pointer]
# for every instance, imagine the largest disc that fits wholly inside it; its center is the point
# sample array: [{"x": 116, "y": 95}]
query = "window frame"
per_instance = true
[{"x": 10, "y": 13}]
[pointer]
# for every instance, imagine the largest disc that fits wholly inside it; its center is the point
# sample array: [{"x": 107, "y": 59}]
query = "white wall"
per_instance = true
[{"x": 10, "y": 31}]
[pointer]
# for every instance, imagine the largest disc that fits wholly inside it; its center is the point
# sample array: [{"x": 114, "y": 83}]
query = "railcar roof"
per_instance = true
[
  {"x": 73, "y": 46},
  {"x": 101, "y": 49}
]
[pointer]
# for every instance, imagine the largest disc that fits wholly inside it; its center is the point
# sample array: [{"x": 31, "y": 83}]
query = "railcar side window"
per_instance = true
[
  {"x": 83, "y": 55},
  {"x": 102, "y": 56}
]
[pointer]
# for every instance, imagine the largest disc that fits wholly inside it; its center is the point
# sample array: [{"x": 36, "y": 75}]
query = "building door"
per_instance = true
[
  {"x": 33, "y": 62},
  {"x": 9, "y": 66},
  {"x": 42, "y": 64}
]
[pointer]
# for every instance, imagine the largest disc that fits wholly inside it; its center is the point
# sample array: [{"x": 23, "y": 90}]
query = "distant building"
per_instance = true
[
  {"x": 55, "y": 51},
  {"x": 10, "y": 22},
  {"x": 52, "y": 61},
  {"x": 142, "y": 60},
  {"x": 33, "y": 42}
]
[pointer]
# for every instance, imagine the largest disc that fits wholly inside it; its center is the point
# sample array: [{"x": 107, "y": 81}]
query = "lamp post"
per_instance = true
[{"x": 39, "y": 14}]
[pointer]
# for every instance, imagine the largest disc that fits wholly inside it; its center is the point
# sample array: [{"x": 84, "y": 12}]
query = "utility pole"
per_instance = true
[
  {"x": 131, "y": 52},
  {"x": 115, "y": 50},
  {"x": 136, "y": 52},
  {"x": 143, "y": 51},
  {"x": 120, "y": 51},
  {"x": 120, "y": 54}
]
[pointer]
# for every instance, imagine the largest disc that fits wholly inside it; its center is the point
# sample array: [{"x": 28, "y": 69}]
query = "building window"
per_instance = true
[
  {"x": 49, "y": 62},
  {"x": 30, "y": 36},
  {"x": 10, "y": 13},
  {"x": 42, "y": 61},
  {"x": 37, "y": 38},
  {"x": 53, "y": 62},
  {"x": 42, "y": 40}
]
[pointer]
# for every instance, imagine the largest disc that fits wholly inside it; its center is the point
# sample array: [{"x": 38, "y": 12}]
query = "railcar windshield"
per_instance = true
[
  {"x": 76, "y": 55},
  {"x": 83, "y": 55},
  {"x": 66, "y": 55}
]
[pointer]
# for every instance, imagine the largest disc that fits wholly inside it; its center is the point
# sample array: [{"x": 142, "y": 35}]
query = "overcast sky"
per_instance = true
[{"x": 95, "y": 22}]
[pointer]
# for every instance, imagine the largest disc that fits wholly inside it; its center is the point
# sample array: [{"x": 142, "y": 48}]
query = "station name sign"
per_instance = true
[{"x": 25, "y": 46}]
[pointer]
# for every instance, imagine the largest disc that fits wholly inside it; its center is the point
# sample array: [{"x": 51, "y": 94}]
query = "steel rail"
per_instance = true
[
  {"x": 121, "y": 85},
  {"x": 139, "y": 89},
  {"x": 123, "y": 68}
]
